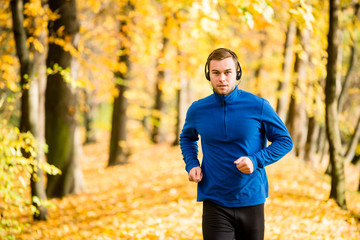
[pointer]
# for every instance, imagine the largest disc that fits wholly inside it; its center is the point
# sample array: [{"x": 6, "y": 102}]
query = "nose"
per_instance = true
[{"x": 222, "y": 77}]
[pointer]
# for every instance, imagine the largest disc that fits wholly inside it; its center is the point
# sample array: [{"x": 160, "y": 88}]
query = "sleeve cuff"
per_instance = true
[
  {"x": 191, "y": 166},
  {"x": 255, "y": 162}
]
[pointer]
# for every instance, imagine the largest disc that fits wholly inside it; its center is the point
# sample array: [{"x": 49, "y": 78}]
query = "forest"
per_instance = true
[{"x": 93, "y": 97}]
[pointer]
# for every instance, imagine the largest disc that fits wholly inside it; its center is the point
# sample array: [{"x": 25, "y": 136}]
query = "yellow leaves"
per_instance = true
[
  {"x": 11, "y": 85},
  {"x": 208, "y": 14},
  {"x": 208, "y": 25},
  {"x": 15, "y": 172},
  {"x": 67, "y": 77},
  {"x": 151, "y": 198},
  {"x": 354, "y": 91},
  {"x": 303, "y": 13},
  {"x": 298, "y": 206},
  {"x": 37, "y": 44},
  {"x": 256, "y": 14},
  {"x": 7, "y": 59},
  {"x": 262, "y": 8},
  {"x": 181, "y": 16},
  {"x": 123, "y": 144},
  {"x": 138, "y": 112},
  {"x": 95, "y": 5},
  {"x": 7, "y": 72},
  {"x": 120, "y": 67},
  {"x": 66, "y": 43},
  {"x": 36, "y": 18},
  {"x": 110, "y": 23},
  {"x": 60, "y": 31},
  {"x": 33, "y": 8},
  {"x": 52, "y": 16},
  {"x": 171, "y": 27}
]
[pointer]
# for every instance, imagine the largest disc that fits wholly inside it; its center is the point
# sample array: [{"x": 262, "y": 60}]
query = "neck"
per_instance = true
[{"x": 226, "y": 94}]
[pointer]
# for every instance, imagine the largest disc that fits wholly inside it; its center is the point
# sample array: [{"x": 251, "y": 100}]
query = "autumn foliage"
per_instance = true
[
  {"x": 156, "y": 50},
  {"x": 151, "y": 198}
]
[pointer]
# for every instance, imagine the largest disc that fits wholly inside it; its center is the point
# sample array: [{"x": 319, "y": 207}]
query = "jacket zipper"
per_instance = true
[{"x": 224, "y": 107}]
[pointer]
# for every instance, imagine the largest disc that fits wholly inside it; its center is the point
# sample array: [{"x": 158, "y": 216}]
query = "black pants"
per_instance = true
[{"x": 240, "y": 223}]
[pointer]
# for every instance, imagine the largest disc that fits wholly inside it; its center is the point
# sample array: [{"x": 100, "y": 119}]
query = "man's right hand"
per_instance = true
[{"x": 195, "y": 174}]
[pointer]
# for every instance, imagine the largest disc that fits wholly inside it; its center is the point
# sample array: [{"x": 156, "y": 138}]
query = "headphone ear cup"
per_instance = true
[
  {"x": 239, "y": 73},
  {"x": 207, "y": 75}
]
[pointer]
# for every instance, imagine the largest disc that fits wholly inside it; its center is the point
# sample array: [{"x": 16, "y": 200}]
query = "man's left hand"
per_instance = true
[{"x": 245, "y": 165}]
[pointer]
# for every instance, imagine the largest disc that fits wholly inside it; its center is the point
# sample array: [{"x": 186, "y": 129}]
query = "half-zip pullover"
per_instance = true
[
  {"x": 224, "y": 107},
  {"x": 230, "y": 127}
]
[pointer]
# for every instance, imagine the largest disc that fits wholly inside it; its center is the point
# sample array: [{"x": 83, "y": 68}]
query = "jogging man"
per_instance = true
[{"x": 234, "y": 126}]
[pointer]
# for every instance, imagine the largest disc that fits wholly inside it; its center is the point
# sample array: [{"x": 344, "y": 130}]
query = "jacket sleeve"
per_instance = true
[
  {"x": 277, "y": 134},
  {"x": 188, "y": 142}
]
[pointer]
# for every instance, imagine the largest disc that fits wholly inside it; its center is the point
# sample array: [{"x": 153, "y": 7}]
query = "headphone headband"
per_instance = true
[{"x": 238, "y": 67}]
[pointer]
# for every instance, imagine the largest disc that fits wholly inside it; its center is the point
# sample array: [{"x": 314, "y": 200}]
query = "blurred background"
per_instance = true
[{"x": 76, "y": 72}]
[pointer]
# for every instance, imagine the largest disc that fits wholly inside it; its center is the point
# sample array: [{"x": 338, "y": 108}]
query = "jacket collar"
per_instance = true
[{"x": 228, "y": 98}]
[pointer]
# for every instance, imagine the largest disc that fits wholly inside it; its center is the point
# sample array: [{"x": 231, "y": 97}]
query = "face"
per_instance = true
[{"x": 223, "y": 75}]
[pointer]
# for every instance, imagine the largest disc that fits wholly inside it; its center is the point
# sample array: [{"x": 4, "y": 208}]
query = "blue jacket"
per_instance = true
[{"x": 232, "y": 126}]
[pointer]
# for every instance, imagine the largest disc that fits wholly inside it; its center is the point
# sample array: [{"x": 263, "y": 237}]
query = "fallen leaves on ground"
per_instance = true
[{"x": 151, "y": 198}]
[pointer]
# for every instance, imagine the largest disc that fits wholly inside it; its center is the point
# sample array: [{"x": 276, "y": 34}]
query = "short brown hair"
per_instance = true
[{"x": 220, "y": 54}]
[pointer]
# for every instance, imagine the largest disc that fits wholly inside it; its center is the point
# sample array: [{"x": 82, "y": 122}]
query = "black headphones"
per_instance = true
[{"x": 238, "y": 72}]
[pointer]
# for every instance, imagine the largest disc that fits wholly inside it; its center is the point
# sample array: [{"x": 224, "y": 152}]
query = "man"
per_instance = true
[{"x": 234, "y": 126}]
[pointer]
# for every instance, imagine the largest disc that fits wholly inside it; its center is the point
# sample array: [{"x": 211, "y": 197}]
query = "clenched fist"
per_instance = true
[
  {"x": 245, "y": 165},
  {"x": 195, "y": 174}
]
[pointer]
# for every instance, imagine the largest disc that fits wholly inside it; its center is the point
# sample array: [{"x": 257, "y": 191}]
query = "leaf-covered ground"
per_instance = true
[{"x": 151, "y": 198}]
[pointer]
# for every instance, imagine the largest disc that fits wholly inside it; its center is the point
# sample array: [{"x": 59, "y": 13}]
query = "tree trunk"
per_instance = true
[
  {"x": 355, "y": 161},
  {"x": 257, "y": 74},
  {"x": 283, "y": 86},
  {"x": 89, "y": 114},
  {"x": 37, "y": 183},
  {"x": 359, "y": 184},
  {"x": 61, "y": 103},
  {"x": 180, "y": 98},
  {"x": 297, "y": 119},
  {"x": 351, "y": 150},
  {"x": 321, "y": 140},
  {"x": 157, "y": 135},
  {"x": 32, "y": 109},
  {"x": 325, "y": 151},
  {"x": 119, "y": 151},
  {"x": 177, "y": 122},
  {"x": 312, "y": 134},
  {"x": 345, "y": 85},
  {"x": 331, "y": 104},
  {"x": 352, "y": 64}
]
